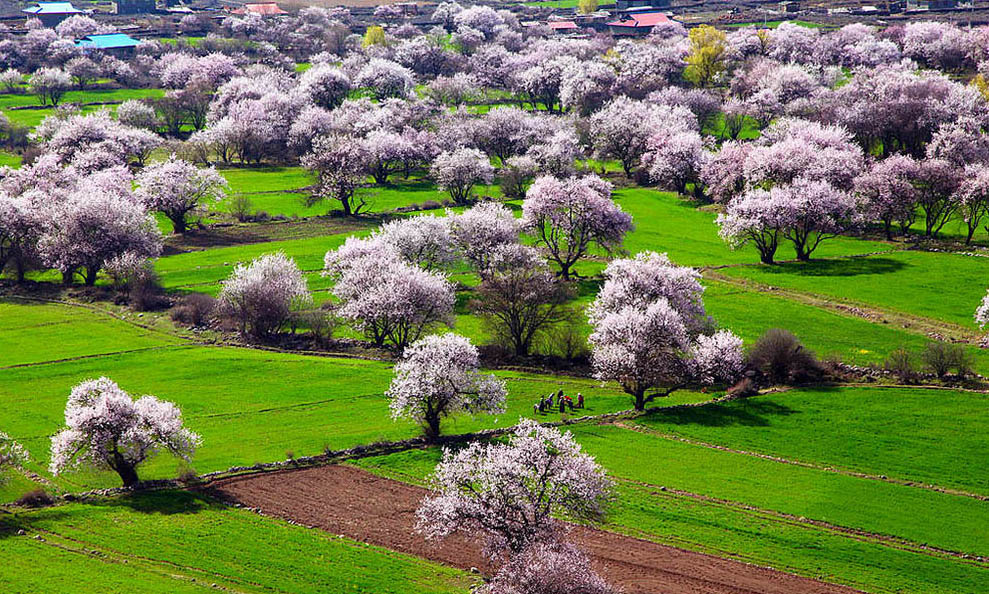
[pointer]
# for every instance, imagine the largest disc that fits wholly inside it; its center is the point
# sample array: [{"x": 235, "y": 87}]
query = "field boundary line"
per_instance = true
[
  {"x": 95, "y": 356},
  {"x": 804, "y": 464},
  {"x": 918, "y": 325},
  {"x": 158, "y": 567},
  {"x": 887, "y": 540},
  {"x": 99, "y": 310}
]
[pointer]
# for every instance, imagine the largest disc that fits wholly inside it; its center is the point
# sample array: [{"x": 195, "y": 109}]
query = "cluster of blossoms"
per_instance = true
[
  {"x": 107, "y": 429},
  {"x": 262, "y": 294},
  {"x": 437, "y": 377},
  {"x": 651, "y": 332},
  {"x": 511, "y": 494}
]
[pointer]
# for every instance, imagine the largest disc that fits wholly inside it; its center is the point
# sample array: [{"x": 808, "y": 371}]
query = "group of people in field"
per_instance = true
[{"x": 563, "y": 401}]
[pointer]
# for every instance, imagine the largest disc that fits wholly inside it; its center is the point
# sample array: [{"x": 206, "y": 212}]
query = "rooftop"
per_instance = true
[
  {"x": 107, "y": 41},
  {"x": 52, "y": 8},
  {"x": 262, "y": 8},
  {"x": 640, "y": 19}
]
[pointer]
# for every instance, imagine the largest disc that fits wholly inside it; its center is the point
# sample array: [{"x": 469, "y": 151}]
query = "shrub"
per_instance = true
[
  {"x": 195, "y": 310},
  {"x": 567, "y": 341},
  {"x": 35, "y": 498},
  {"x": 901, "y": 363},
  {"x": 943, "y": 357},
  {"x": 781, "y": 358},
  {"x": 241, "y": 207}
]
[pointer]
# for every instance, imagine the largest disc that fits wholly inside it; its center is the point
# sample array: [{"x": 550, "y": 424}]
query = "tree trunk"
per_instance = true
[
  {"x": 432, "y": 426},
  {"x": 127, "y": 472},
  {"x": 178, "y": 224},
  {"x": 90, "y": 277},
  {"x": 640, "y": 400}
]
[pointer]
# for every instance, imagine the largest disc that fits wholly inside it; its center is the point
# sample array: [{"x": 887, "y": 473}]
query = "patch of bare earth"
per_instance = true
[{"x": 366, "y": 507}]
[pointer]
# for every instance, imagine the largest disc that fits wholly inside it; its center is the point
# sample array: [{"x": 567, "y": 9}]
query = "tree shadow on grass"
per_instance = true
[
  {"x": 841, "y": 267},
  {"x": 747, "y": 412},
  {"x": 160, "y": 502},
  {"x": 12, "y": 523}
]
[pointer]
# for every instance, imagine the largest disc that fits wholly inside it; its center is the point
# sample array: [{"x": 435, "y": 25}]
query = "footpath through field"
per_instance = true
[{"x": 352, "y": 502}]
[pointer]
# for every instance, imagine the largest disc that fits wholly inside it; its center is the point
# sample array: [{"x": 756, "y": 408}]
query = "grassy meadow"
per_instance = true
[{"x": 814, "y": 481}]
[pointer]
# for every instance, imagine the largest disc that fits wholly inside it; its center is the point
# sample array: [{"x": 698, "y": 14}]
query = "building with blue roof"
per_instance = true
[
  {"x": 52, "y": 13},
  {"x": 118, "y": 43}
]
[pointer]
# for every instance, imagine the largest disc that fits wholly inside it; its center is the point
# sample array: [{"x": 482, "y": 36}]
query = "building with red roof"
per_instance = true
[
  {"x": 637, "y": 23},
  {"x": 262, "y": 8},
  {"x": 563, "y": 26}
]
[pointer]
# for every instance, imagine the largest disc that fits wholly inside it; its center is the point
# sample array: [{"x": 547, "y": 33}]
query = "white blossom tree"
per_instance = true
[
  {"x": 511, "y": 494},
  {"x": 386, "y": 298},
  {"x": 178, "y": 189},
  {"x": 106, "y": 429},
  {"x": 568, "y": 216},
  {"x": 437, "y": 377},
  {"x": 50, "y": 84},
  {"x": 12, "y": 454},
  {"x": 480, "y": 231},
  {"x": 91, "y": 227},
  {"x": 651, "y": 332},
  {"x": 549, "y": 568},
  {"x": 261, "y": 295},
  {"x": 459, "y": 171}
]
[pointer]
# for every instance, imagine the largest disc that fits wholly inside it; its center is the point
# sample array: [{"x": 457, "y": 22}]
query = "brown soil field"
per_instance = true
[{"x": 363, "y": 506}]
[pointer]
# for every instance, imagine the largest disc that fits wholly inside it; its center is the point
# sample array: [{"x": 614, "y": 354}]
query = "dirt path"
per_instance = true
[{"x": 364, "y": 506}]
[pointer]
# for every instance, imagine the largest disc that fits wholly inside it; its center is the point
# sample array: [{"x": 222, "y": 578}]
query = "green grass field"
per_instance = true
[
  {"x": 181, "y": 542},
  {"x": 910, "y": 282},
  {"x": 678, "y": 482},
  {"x": 930, "y": 436}
]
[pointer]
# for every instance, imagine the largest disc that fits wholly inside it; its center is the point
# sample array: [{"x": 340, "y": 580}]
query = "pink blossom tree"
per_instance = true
[
  {"x": 387, "y": 299},
  {"x": 386, "y": 152},
  {"x": 384, "y": 79},
  {"x": 568, "y": 216},
  {"x": 754, "y": 218},
  {"x": 325, "y": 86},
  {"x": 806, "y": 212},
  {"x": 888, "y": 193},
  {"x": 340, "y": 165},
  {"x": 675, "y": 160},
  {"x": 721, "y": 173},
  {"x": 549, "y": 568},
  {"x": 982, "y": 312},
  {"x": 459, "y": 171},
  {"x": 510, "y": 494},
  {"x": 261, "y": 295},
  {"x": 973, "y": 197},
  {"x": 106, "y": 429},
  {"x": 438, "y": 377},
  {"x": 937, "y": 182},
  {"x": 91, "y": 227},
  {"x": 178, "y": 189},
  {"x": 621, "y": 130},
  {"x": 651, "y": 332},
  {"x": 422, "y": 240},
  {"x": 480, "y": 231}
]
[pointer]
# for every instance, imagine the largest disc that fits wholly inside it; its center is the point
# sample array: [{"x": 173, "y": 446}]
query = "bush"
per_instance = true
[
  {"x": 901, "y": 364},
  {"x": 35, "y": 498},
  {"x": 567, "y": 341},
  {"x": 943, "y": 357},
  {"x": 241, "y": 207},
  {"x": 780, "y": 358},
  {"x": 431, "y": 205},
  {"x": 195, "y": 310}
]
